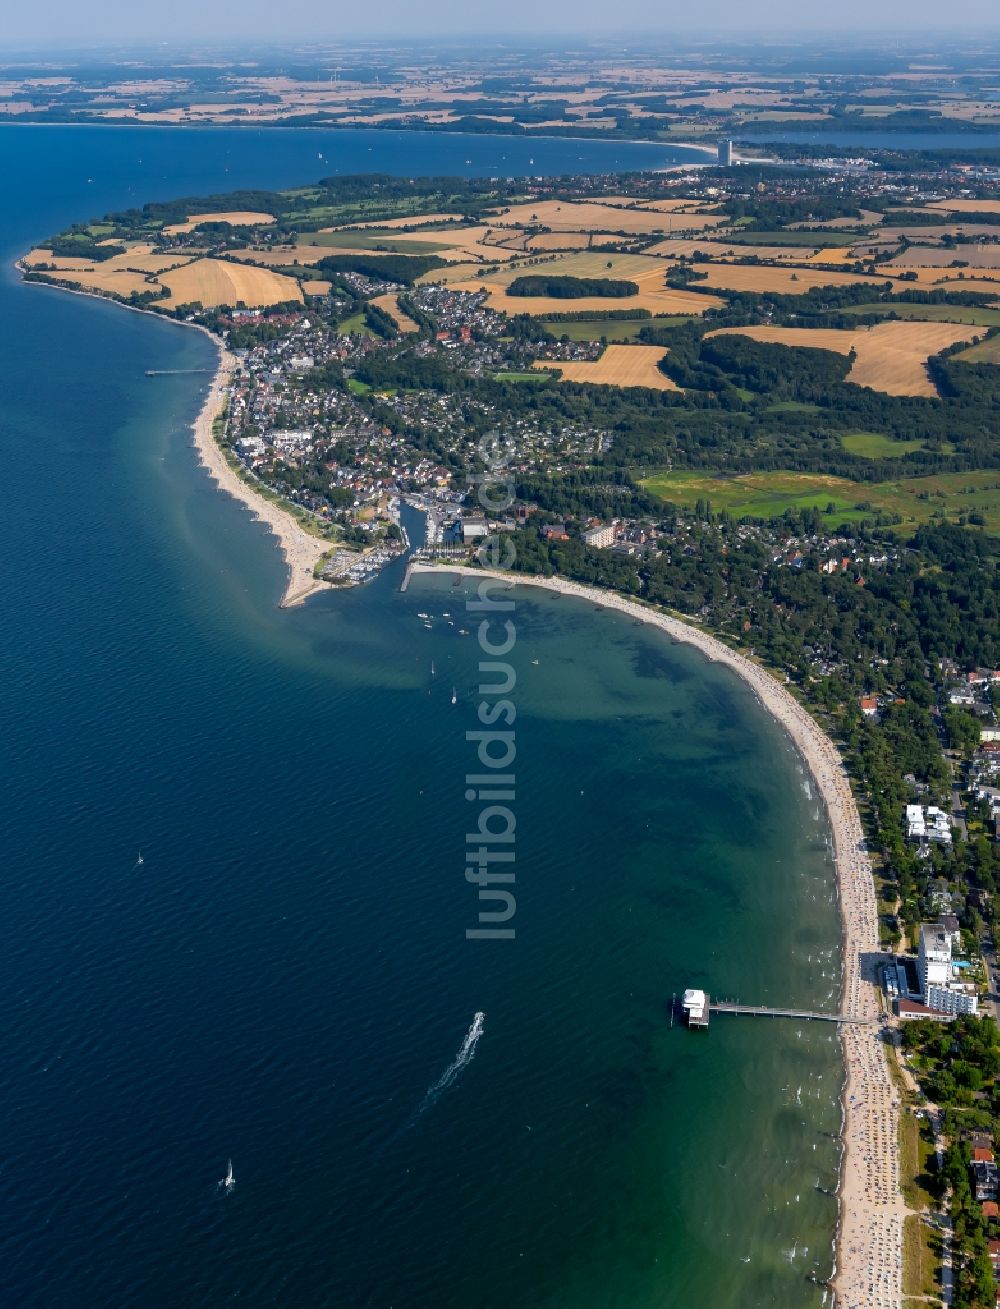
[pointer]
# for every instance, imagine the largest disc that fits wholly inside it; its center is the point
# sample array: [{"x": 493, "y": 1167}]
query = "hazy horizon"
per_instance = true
[{"x": 58, "y": 24}]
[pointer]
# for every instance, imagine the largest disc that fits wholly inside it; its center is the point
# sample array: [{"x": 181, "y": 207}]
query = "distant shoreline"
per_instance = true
[
  {"x": 870, "y": 1110},
  {"x": 429, "y": 128}
]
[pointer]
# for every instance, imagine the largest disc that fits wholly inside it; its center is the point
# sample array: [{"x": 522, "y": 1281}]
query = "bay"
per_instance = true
[{"x": 286, "y": 977}]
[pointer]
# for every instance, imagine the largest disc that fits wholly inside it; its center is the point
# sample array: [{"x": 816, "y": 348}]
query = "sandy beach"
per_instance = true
[
  {"x": 868, "y": 1273},
  {"x": 301, "y": 550}
]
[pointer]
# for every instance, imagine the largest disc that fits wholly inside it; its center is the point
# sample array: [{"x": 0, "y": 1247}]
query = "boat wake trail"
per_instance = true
[
  {"x": 454, "y": 1069},
  {"x": 447, "y": 1078}
]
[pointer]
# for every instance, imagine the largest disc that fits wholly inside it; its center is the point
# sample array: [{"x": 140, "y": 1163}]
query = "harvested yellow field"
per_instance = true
[
  {"x": 954, "y": 279},
  {"x": 138, "y": 257},
  {"x": 676, "y": 206},
  {"x": 590, "y": 216},
  {"x": 889, "y": 357},
  {"x": 43, "y": 256},
  {"x": 414, "y": 221},
  {"x": 787, "y": 281},
  {"x": 819, "y": 338},
  {"x": 660, "y": 301},
  {"x": 110, "y": 281},
  {"x": 463, "y": 243},
  {"x": 619, "y": 365},
  {"x": 316, "y": 287},
  {"x": 836, "y": 254},
  {"x": 976, "y": 256},
  {"x": 560, "y": 241},
  {"x": 967, "y": 206},
  {"x": 718, "y": 248},
  {"x": 289, "y": 254},
  {"x": 234, "y": 217},
  {"x": 648, "y": 274},
  {"x": 215, "y": 282},
  {"x": 390, "y": 304}
]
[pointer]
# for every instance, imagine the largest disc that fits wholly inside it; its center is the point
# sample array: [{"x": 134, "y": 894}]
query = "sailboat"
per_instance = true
[
  {"x": 140, "y": 861},
  {"x": 454, "y": 696},
  {"x": 432, "y": 668},
  {"x": 229, "y": 1181}
]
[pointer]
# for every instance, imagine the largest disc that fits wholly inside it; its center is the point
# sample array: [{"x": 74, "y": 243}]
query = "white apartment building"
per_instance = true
[
  {"x": 600, "y": 537},
  {"x": 956, "y": 999}
]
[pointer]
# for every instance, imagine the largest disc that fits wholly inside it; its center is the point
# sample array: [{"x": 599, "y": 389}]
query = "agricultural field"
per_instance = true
[
  {"x": 390, "y": 304},
  {"x": 216, "y": 282},
  {"x": 619, "y": 365},
  {"x": 929, "y": 313},
  {"x": 721, "y": 248},
  {"x": 346, "y": 240},
  {"x": 890, "y": 357},
  {"x": 234, "y": 217},
  {"x": 786, "y": 281},
  {"x": 986, "y": 352},
  {"x": 767, "y": 495},
  {"x": 975, "y": 256},
  {"x": 282, "y": 256},
  {"x": 614, "y": 329},
  {"x": 135, "y": 271},
  {"x": 966, "y": 206},
  {"x": 545, "y": 241},
  {"x": 787, "y": 236},
  {"x": 408, "y": 221},
  {"x": 591, "y": 216},
  {"x": 647, "y": 273}
]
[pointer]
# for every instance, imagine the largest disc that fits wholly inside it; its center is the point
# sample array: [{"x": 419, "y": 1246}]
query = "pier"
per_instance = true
[
  {"x": 175, "y": 372},
  {"x": 765, "y": 1011}
]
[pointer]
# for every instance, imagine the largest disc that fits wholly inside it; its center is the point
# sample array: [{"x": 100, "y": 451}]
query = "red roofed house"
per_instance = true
[{"x": 994, "y": 1247}]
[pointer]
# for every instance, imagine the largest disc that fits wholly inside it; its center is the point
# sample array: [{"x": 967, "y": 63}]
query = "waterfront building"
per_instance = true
[
  {"x": 933, "y": 956},
  {"x": 725, "y": 154},
  {"x": 475, "y": 527},
  {"x": 600, "y": 537},
  {"x": 694, "y": 1006},
  {"x": 941, "y": 987},
  {"x": 956, "y": 999},
  {"x": 927, "y": 824}
]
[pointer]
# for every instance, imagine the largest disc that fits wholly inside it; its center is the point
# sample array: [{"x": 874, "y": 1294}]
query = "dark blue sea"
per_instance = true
[{"x": 285, "y": 980}]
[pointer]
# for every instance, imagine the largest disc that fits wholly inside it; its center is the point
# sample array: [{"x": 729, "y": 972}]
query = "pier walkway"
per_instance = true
[
  {"x": 175, "y": 372},
  {"x": 764, "y": 1011}
]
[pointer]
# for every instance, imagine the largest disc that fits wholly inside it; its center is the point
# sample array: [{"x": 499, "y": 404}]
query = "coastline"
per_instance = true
[
  {"x": 867, "y": 1271},
  {"x": 300, "y": 550}
]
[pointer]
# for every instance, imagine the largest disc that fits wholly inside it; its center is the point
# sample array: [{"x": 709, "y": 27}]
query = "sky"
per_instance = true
[{"x": 62, "y": 22}]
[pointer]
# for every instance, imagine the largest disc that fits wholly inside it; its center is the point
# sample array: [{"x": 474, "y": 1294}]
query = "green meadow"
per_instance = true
[
  {"x": 768, "y": 495},
  {"x": 929, "y": 313},
  {"x": 874, "y": 445}
]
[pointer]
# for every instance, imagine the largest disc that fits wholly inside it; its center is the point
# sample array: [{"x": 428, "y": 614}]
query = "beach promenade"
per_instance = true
[
  {"x": 300, "y": 549},
  {"x": 868, "y": 1272}
]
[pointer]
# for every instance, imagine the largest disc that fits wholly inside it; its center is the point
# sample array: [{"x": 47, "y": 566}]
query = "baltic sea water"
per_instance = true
[{"x": 286, "y": 974}]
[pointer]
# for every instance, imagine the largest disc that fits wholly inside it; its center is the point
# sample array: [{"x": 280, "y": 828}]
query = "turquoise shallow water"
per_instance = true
[{"x": 286, "y": 976}]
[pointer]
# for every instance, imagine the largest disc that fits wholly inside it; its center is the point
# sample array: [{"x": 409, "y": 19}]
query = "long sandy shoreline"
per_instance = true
[
  {"x": 301, "y": 550},
  {"x": 868, "y": 1269}
]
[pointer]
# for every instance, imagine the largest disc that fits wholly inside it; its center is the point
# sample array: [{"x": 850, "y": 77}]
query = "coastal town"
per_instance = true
[{"x": 743, "y": 404}]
